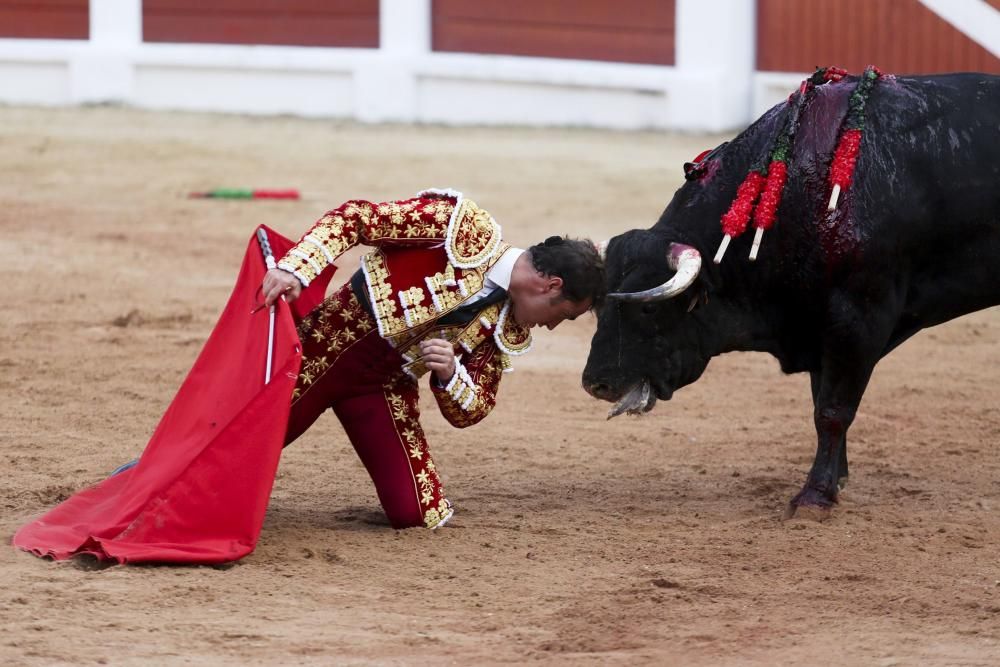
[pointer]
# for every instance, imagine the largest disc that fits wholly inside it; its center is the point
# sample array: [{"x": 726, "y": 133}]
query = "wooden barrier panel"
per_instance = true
[
  {"x": 632, "y": 31},
  {"x": 45, "y": 19},
  {"x": 344, "y": 23},
  {"x": 899, "y": 36}
]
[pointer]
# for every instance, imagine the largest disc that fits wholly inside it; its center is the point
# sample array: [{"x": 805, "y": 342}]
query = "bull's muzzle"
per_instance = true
[
  {"x": 638, "y": 399},
  {"x": 600, "y": 390}
]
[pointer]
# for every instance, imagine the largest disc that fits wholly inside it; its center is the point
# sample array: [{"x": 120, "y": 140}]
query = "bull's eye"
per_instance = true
[{"x": 649, "y": 308}]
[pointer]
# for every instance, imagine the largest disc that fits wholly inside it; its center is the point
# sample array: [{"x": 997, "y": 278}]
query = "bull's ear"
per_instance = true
[
  {"x": 696, "y": 168},
  {"x": 700, "y": 298}
]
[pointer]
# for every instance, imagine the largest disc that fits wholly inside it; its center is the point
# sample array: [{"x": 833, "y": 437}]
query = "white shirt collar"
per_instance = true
[{"x": 499, "y": 274}]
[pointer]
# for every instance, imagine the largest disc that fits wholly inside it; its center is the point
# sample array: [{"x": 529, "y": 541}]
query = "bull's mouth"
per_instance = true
[{"x": 636, "y": 401}]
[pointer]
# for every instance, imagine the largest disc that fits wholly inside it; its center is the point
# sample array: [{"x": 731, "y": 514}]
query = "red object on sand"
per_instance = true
[
  {"x": 275, "y": 194},
  {"x": 200, "y": 490},
  {"x": 243, "y": 193}
]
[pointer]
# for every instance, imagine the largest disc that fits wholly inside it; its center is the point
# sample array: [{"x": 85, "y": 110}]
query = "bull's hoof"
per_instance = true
[
  {"x": 807, "y": 513},
  {"x": 812, "y": 504}
]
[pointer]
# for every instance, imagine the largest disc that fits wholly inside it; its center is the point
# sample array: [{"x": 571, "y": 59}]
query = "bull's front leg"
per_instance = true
[
  {"x": 837, "y": 392},
  {"x": 821, "y": 490},
  {"x": 843, "y": 473}
]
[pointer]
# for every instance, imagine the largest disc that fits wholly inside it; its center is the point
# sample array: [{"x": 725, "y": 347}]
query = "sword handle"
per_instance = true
[{"x": 265, "y": 248}]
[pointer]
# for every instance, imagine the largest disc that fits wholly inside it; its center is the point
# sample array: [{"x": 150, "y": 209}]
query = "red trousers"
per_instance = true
[{"x": 348, "y": 367}]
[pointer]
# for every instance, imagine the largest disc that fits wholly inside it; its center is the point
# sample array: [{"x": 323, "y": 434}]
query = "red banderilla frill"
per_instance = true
[
  {"x": 767, "y": 207},
  {"x": 735, "y": 220}
]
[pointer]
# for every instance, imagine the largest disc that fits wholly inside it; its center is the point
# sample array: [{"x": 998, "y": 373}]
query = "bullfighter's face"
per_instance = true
[
  {"x": 537, "y": 300},
  {"x": 545, "y": 309}
]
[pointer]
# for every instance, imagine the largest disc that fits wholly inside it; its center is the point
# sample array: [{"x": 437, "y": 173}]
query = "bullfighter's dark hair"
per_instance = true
[{"x": 579, "y": 265}]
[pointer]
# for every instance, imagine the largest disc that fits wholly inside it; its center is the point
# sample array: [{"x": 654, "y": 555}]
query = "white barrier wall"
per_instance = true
[{"x": 709, "y": 89}]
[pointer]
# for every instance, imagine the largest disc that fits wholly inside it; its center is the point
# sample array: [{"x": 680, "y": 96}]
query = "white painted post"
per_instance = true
[
  {"x": 386, "y": 88},
  {"x": 405, "y": 27},
  {"x": 715, "y": 60},
  {"x": 975, "y": 19},
  {"x": 103, "y": 71},
  {"x": 115, "y": 23}
]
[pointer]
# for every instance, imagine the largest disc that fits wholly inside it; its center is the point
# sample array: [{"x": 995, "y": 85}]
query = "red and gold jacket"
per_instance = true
[{"x": 431, "y": 255}]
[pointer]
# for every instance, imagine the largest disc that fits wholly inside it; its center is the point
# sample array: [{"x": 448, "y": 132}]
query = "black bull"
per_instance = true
[{"x": 914, "y": 242}]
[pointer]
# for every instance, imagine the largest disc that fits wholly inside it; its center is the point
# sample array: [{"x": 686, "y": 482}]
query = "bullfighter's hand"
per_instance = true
[
  {"x": 439, "y": 356},
  {"x": 280, "y": 283}
]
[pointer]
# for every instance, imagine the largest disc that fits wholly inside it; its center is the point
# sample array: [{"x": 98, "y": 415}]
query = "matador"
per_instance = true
[{"x": 440, "y": 293}]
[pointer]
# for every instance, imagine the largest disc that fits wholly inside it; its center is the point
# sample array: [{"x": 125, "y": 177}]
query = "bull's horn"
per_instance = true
[
  {"x": 602, "y": 248},
  {"x": 683, "y": 259}
]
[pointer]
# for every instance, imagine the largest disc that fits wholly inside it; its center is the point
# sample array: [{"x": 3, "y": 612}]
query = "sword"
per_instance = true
[{"x": 265, "y": 248}]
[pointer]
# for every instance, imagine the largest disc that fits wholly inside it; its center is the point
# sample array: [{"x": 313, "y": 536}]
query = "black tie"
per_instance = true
[{"x": 465, "y": 314}]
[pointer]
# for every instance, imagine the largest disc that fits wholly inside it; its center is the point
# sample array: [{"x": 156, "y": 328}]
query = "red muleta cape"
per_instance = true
[{"x": 199, "y": 492}]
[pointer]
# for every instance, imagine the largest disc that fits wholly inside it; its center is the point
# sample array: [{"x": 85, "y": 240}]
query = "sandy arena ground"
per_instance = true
[{"x": 653, "y": 540}]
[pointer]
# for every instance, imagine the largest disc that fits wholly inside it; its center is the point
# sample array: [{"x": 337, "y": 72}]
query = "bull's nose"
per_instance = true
[{"x": 600, "y": 390}]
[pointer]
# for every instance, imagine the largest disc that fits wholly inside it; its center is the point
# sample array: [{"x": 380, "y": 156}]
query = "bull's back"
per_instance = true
[
  {"x": 932, "y": 146},
  {"x": 927, "y": 191}
]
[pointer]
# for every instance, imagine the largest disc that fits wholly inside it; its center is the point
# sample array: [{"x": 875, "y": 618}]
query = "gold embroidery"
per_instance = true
[
  {"x": 419, "y": 315},
  {"x": 435, "y": 515},
  {"x": 335, "y": 233},
  {"x": 449, "y": 290},
  {"x": 333, "y": 326},
  {"x": 475, "y": 333},
  {"x": 380, "y": 293},
  {"x": 510, "y": 337},
  {"x": 411, "y": 296},
  {"x": 444, "y": 289},
  {"x": 397, "y": 407},
  {"x": 473, "y": 236},
  {"x": 359, "y": 209},
  {"x": 505, "y": 363},
  {"x": 414, "y": 313},
  {"x": 402, "y": 402},
  {"x": 486, "y": 381}
]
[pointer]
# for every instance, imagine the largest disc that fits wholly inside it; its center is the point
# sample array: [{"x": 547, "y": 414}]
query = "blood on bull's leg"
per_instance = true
[
  {"x": 842, "y": 467},
  {"x": 821, "y": 490},
  {"x": 837, "y": 392},
  {"x": 858, "y": 327}
]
